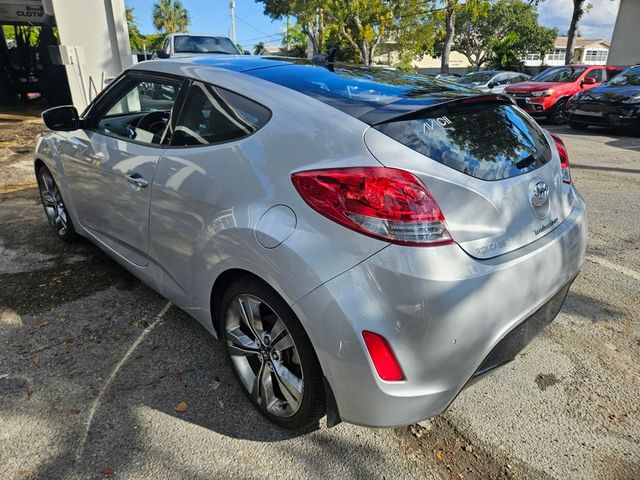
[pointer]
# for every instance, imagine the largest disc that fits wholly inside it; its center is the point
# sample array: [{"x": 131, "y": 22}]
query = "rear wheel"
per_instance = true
[
  {"x": 54, "y": 207},
  {"x": 271, "y": 355},
  {"x": 556, "y": 116}
]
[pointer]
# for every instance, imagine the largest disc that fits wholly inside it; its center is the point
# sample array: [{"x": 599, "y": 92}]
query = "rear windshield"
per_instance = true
[{"x": 487, "y": 142}]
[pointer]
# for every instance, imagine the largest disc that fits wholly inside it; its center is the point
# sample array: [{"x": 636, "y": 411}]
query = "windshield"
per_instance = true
[
  {"x": 560, "y": 74},
  {"x": 631, "y": 76},
  {"x": 477, "y": 78},
  {"x": 193, "y": 44}
]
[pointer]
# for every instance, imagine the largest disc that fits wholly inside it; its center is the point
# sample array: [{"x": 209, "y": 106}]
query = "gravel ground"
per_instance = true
[{"x": 93, "y": 364}]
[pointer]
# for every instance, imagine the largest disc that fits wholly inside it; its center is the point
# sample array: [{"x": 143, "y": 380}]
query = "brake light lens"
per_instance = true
[
  {"x": 383, "y": 358},
  {"x": 564, "y": 158},
  {"x": 385, "y": 203}
]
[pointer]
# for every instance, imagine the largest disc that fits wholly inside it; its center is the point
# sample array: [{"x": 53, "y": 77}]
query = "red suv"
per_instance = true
[{"x": 547, "y": 93}]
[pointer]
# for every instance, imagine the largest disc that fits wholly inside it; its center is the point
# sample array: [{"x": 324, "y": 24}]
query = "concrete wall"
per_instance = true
[
  {"x": 94, "y": 43},
  {"x": 625, "y": 45}
]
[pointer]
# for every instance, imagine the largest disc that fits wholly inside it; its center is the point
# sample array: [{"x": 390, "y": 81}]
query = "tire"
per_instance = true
[
  {"x": 578, "y": 126},
  {"x": 271, "y": 356},
  {"x": 54, "y": 206},
  {"x": 556, "y": 116}
]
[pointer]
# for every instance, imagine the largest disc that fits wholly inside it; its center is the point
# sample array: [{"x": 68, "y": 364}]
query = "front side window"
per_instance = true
[
  {"x": 140, "y": 112},
  {"x": 213, "y": 115},
  {"x": 598, "y": 74}
]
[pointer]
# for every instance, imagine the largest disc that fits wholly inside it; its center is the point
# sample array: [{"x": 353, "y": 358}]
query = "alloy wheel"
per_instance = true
[
  {"x": 53, "y": 204},
  {"x": 264, "y": 355}
]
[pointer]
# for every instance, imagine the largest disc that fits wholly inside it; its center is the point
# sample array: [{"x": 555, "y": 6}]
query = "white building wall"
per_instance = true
[
  {"x": 625, "y": 45},
  {"x": 94, "y": 43}
]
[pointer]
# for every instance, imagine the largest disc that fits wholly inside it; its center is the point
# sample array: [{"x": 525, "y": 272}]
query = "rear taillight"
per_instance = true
[
  {"x": 383, "y": 358},
  {"x": 564, "y": 158},
  {"x": 385, "y": 203}
]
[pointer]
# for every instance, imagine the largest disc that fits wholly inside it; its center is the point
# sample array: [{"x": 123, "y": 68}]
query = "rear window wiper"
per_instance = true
[{"x": 528, "y": 161}]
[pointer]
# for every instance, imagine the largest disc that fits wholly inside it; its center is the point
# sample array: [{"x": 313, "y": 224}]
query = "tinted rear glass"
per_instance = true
[
  {"x": 487, "y": 142},
  {"x": 356, "y": 90}
]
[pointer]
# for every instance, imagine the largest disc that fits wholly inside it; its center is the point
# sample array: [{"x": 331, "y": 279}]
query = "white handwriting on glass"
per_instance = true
[{"x": 429, "y": 125}]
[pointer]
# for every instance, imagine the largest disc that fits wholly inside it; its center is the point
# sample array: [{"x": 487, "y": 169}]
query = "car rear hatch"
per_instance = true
[{"x": 494, "y": 172}]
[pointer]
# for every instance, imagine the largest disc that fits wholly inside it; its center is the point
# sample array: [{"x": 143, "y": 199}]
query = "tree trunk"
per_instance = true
[
  {"x": 578, "y": 11},
  {"x": 448, "y": 37}
]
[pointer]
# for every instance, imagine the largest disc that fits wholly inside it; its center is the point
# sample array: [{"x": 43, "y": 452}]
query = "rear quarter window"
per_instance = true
[{"x": 490, "y": 142}]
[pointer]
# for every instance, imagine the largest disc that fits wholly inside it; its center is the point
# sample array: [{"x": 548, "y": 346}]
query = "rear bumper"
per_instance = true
[{"x": 448, "y": 317}]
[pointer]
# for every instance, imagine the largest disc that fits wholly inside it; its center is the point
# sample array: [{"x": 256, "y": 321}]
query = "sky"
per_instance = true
[
  {"x": 213, "y": 16},
  {"x": 252, "y": 26}
]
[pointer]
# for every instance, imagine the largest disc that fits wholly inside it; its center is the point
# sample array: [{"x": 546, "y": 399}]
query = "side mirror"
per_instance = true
[
  {"x": 589, "y": 81},
  {"x": 246, "y": 52},
  {"x": 62, "y": 119},
  {"x": 491, "y": 84},
  {"x": 162, "y": 53}
]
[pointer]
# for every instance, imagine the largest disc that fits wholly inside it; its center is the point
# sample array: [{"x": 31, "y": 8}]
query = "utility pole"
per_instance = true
[
  {"x": 232, "y": 6},
  {"x": 287, "y": 35}
]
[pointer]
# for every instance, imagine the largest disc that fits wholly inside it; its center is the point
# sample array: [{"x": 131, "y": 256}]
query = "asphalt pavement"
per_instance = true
[{"x": 100, "y": 377}]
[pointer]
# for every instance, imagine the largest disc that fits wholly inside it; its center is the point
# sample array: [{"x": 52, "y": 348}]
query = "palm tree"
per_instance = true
[
  {"x": 258, "y": 48},
  {"x": 170, "y": 16}
]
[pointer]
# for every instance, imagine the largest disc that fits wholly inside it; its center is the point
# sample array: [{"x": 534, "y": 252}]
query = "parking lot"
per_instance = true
[{"x": 102, "y": 377}]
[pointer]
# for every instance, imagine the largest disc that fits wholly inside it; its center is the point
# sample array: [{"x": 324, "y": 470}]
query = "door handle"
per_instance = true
[{"x": 137, "y": 180}]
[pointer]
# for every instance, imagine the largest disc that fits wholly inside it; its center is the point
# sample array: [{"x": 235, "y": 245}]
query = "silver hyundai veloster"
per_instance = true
[{"x": 364, "y": 242}]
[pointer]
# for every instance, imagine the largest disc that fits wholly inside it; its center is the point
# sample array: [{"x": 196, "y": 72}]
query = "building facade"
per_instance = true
[{"x": 587, "y": 52}]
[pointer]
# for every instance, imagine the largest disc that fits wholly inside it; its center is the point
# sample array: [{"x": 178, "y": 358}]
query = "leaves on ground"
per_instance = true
[{"x": 181, "y": 407}]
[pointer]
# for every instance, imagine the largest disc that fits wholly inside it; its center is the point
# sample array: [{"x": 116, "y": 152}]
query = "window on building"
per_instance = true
[
  {"x": 596, "y": 56},
  {"x": 556, "y": 54},
  {"x": 533, "y": 56}
]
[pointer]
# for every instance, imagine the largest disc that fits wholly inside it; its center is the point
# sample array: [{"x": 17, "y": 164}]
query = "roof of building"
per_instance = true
[{"x": 561, "y": 42}]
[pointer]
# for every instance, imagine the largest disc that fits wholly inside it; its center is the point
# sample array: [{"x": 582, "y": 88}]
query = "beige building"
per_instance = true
[
  {"x": 588, "y": 52},
  {"x": 625, "y": 45}
]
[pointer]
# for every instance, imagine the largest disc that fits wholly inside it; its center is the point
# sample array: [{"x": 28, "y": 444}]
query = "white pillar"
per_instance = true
[{"x": 94, "y": 41}]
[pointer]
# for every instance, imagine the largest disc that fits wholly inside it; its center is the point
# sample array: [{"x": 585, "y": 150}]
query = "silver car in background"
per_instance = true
[
  {"x": 493, "y": 81},
  {"x": 365, "y": 242}
]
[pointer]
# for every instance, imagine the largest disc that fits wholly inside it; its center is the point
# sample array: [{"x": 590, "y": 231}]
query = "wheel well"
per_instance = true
[
  {"x": 37, "y": 165},
  {"x": 220, "y": 286}
]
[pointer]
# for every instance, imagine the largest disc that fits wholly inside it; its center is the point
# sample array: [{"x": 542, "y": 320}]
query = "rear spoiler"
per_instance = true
[{"x": 406, "y": 109}]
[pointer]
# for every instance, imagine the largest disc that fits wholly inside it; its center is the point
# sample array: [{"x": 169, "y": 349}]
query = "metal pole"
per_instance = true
[
  {"x": 287, "y": 35},
  {"x": 232, "y": 6}
]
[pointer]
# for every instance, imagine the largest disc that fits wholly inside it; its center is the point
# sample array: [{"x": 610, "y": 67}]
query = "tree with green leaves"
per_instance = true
[
  {"x": 258, "y": 48},
  {"x": 500, "y": 33},
  {"x": 294, "y": 42},
  {"x": 361, "y": 24},
  {"x": 170, "y": 16}
]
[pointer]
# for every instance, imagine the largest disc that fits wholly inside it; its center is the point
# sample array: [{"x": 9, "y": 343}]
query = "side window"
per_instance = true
[
  {"x": 214, "y": 115},
  {"x": 140, "y": 111},
  {"x": 598, "y": 74},
  {"x": 611, "y": 74},
  {"x": 501, "y": 79}
]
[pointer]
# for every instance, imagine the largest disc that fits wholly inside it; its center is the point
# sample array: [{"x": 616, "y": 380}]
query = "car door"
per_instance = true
[
  {"x": 109, "y": 165},
  {"x": 202, "y": 184},
  {"x": 600, "y": 76}
]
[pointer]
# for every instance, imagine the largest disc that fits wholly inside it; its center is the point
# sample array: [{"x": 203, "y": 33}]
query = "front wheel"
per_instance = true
[
  {"x": 54, "y": 207},
  {"x": 556, "y": 116},
  {"x": 271, "y": 355}
]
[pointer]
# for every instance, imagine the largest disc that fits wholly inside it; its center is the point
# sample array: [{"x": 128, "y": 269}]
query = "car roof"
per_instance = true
[{"x": 372, "y": 94}]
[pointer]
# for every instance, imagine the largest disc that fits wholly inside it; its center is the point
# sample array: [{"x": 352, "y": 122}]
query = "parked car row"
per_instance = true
[{"x": 582, "y": 95}]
